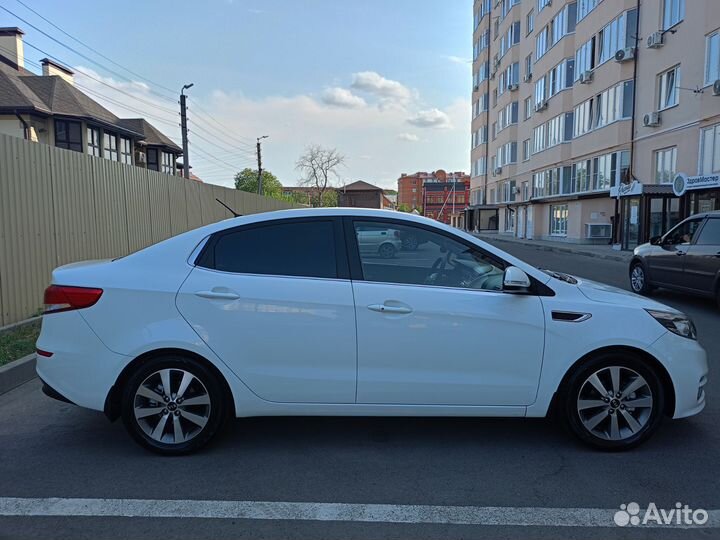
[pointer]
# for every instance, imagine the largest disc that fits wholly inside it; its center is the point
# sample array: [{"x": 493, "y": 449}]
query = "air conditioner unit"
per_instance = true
[
  {"x": 513, "y": 86},
  {"x": 623, "y": 55},
  {"x": 586, "y": 77},
  {"x": 541, "y": 106},
  {"x": 498, "y": 170},
  {"x": 655, "y": 40},
  {"x": 598, "y": 230},
  {"x": 651, "y": 119},
  {"x": 141, "y": 158},
  {"x": 716, "y": 88},
  {"x": 527, "y": 78}
]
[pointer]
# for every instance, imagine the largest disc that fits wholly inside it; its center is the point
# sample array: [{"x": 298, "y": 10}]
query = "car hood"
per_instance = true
[{"x": 599, "y": 292}]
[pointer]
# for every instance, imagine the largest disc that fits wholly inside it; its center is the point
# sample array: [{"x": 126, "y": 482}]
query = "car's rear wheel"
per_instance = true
[
  {"x": 614, "y": 401},
  {"x": 387, "y": 251},
  {"x": 173, "y": 405},
  {"x": 639, "y": 280}
]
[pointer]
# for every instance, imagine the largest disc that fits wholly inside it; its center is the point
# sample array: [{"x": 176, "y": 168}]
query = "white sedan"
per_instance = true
[{"x": 282, "y": 314}]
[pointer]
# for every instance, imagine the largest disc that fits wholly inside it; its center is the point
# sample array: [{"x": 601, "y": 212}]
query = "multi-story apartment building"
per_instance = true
[
  {"x": 410, "y": 186},
  {"x": 584, "y": 112}
]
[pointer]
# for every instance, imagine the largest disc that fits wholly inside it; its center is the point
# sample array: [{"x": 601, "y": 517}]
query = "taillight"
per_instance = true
[{"x": 64, "y": 298}]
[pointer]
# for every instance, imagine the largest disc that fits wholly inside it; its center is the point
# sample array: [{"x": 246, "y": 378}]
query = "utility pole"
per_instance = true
[
  {"x": 259, "y": 156},
  {"x": 183, "y": 125}
]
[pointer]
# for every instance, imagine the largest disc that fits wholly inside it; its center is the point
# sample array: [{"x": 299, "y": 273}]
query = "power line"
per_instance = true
[
  {"x": 250, "y": 141},
  {"x": 230, "y": 149},
  {"x": 92, "y": 49}
]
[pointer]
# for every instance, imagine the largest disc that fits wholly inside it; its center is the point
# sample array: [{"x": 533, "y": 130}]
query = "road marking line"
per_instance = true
[{"x": 299, "y": 511}]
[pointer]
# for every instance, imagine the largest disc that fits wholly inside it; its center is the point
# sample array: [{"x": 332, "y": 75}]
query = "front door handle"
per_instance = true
[
  {"x": 382, "y": 308},
  {"x": 217, "y": 295},
  {"x": 678, "y": 253}
]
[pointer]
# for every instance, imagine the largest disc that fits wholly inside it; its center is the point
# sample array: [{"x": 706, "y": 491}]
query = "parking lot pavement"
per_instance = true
[{"x": 512, "y": 477}]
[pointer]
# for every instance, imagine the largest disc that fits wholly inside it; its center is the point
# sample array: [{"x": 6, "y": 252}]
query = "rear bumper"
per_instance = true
[{"x": 50, "y": 392}]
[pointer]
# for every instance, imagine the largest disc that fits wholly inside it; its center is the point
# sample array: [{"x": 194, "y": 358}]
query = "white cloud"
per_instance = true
[
  {"x": 410, "y": 137},
  {"x": 430, "y": 118},
  {"x": 374, "y": 83},
  {"x": 341, "y": 97},
  {"x": 294, "y": 122},
  {"x": 458, "y": 60}
]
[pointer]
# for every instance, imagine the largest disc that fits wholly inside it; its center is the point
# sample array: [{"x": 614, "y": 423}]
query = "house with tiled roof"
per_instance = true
[{"x": 49, "y": 109}]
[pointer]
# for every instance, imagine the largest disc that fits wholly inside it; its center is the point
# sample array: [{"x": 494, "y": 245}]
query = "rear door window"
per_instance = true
[
  {"x": 710, "y": 233},
  {"x": 292, "y": 248}
]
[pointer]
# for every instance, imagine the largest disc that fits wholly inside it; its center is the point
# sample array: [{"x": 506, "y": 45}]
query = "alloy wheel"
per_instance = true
[
  {"x": 172, "y": 406},
  {"x": 637, "y": 278},
  {"x": 615, "y": 403}
]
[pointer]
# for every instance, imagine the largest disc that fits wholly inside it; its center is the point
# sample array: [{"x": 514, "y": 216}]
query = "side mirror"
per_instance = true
[
  {"x": 515, "y": 279},
  {"x": 655, "y": 240}
]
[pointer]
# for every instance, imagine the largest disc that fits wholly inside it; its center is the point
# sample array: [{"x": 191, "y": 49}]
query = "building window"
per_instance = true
[
  {"x": 712, "y": 58},
  {"x": 541, "y": 4},
  {"x": 580, "y": 178},
  {"x": 539, "y": 139},
  {"x": 529, "y": 22},
  {"x": 558, "y": 219},
  {"x": 528, "y": 107},
  {"x": 153, "y": 163},
  {"x": 68, "y": 135},
  {"x": 710, "y": 150},
  {"x": 604, "y": 171},
  {"x": 526, "y": 149},
  {"x": 525, "y": 191},
  {"x": 673, "y": 13},
  {"x": 665, "y": 165},
  {"x": 168, "y": 163},
  {"x": 528, "y": 67},
  {"x": 110, "y": 146},
  {"x": 585, "y": 58},
  {"x": 540, "y": 90},
  {"x": 541, "y": 43},
  {"x": 668, "y": 88},
  {"x": 479, "y": 166},
  {"x": 612, "y": 38},
  {"x": 585, "y": 7},
  {"x": 125, "y": 151},
  {"x": 93, "y": 142}
]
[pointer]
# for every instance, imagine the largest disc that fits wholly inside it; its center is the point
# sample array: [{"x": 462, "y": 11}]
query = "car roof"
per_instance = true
[{"x": 711, "y": 213}]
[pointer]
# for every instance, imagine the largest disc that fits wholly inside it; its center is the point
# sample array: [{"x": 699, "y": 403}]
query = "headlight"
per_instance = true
[{"x": 677, "y": 323}]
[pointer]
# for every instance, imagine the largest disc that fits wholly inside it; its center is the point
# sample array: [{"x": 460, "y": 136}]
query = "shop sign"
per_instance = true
[
  {"x": 683, "y": 183},
  {"x": 626, "y": 190}
]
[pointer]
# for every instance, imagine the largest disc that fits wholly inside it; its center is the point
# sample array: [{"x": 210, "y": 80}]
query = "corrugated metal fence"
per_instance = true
[{"x": 58, "y": 206}]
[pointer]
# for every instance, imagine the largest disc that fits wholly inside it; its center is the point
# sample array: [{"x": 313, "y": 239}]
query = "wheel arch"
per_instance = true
[
  {"x": 113, "y": 403},
  {"x": 663, "y": 374}
]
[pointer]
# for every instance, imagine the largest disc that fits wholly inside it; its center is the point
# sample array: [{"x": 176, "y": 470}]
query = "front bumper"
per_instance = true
[{"x": 686, "y": 363}]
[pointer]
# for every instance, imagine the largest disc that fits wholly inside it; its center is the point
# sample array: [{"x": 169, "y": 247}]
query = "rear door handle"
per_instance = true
[
  {"x": 382, "y": 308},
  {"x": 678, "y": 253},
  {"x": 217, "y": 295}
]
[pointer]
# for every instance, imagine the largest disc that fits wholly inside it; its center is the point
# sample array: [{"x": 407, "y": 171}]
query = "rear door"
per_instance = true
[
  {"x": 702, "y": 262},
  {"x": 274, "y": 301}
]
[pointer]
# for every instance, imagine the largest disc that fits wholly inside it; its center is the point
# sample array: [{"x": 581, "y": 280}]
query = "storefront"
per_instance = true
[{"x": 647, "y": 210}]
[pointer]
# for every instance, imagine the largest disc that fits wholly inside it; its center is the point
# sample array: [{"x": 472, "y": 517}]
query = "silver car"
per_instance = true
[{"x": 379, "y": 240}]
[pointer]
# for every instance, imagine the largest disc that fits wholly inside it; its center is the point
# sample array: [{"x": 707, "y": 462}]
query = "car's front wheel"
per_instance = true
[
  {"x": 639, "y": 280},
  {"x": 173, "y": 405},
  {"x": 614, "y": 401}
]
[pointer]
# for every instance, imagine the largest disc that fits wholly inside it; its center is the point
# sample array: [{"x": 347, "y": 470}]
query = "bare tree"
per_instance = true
[{"x": 319, "y": 167}]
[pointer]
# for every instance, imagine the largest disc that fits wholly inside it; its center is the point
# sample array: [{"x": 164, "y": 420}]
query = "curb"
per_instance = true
[
  {"x": 19, "y": 324},
  {"x": 560, "y": 249},
  {"x": 17, "y": 372}
]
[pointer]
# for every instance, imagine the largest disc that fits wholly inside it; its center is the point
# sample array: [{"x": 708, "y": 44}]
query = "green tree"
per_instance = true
[
  {"x": 246, "y": 180},
  {"x": 403, "y": 207}
]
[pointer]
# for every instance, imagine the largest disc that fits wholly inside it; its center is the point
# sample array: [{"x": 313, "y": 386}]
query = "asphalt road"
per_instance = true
[{"x": 50, "y": 449}]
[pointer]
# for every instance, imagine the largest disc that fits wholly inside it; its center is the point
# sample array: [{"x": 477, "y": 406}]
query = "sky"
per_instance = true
[{"x": 385, "y": 82}]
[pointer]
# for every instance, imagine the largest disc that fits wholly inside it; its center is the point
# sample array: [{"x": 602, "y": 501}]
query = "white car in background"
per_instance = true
[
  {"x": 378, "y": 240},
  {"x": 283, "y": 313}
]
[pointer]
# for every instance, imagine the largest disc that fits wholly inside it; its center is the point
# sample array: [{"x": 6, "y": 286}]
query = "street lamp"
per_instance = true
[
  {"x": 259, "y": 156},
  {"x": 183, "y": 125}
]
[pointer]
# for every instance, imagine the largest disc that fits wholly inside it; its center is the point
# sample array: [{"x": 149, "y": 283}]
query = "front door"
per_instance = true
[
  {"x": 666, "y": 262},
  {"x": 702, "y": 262},
  {"x": 274, "y": 302},
  {"x": 434, "y": 326}
]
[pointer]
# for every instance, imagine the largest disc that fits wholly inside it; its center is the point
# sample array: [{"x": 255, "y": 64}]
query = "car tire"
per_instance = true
[
  {"x": 639, "y": 283},
  {"x": 607, "y": 423},
  {"x": 173, "y": 426},
  {"x": 386, "y": 251}
]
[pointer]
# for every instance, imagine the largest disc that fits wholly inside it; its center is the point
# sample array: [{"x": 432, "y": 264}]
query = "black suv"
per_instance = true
[{"x": 686, "y": 258}]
